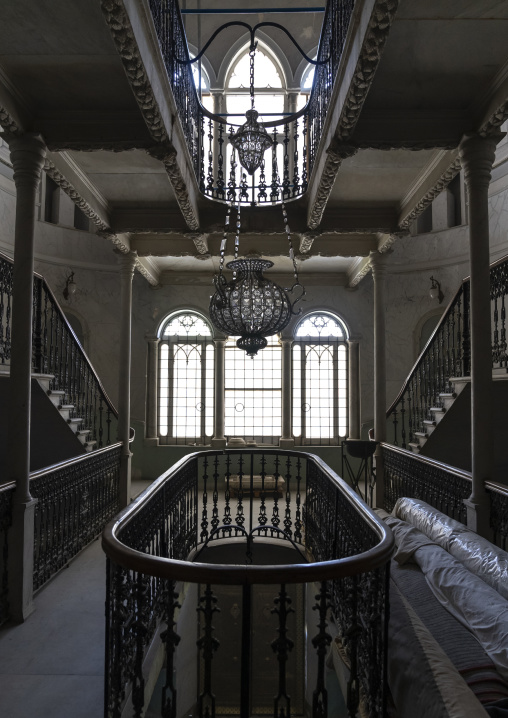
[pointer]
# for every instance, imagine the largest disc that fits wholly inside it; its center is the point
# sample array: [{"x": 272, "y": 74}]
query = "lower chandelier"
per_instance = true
[{"x": 250, "y": 305}]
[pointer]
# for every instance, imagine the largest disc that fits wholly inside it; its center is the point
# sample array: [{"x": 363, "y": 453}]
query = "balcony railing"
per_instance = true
[
  {"x": 158, "y": 578},
  {"x": 448, "y": 355},
  {"x": 287, "y": 168},
  {"x": 75, "y": 500},
  {"x": 56, "y": 351},
  {"x": 442, "y": 486}
]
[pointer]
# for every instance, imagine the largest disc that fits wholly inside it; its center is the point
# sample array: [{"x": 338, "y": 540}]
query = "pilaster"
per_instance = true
[
  {"x": 354, "y": 389},
  {"x": 477, "y": 155},
  {"x": 27, "y": 156},
  {"x": 219, "y": 440},
  {"x": 152, "y": 378},
  {"x": 286, "y": 440},
  {"x": 127, "y": 265}
]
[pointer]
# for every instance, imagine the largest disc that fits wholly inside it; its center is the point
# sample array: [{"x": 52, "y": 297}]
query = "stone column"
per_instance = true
[
  {"x": 152, "y": 378},
  {"x": 218, "y": 96},
  {"x": 127, "y": 265},
  {"x": 286, "y": 440},
  {"x": 378, "y": 266},
  {"x": 27, "y": 155},
  {"x": 219, "y": 440},
  {"x": 477, "y": 155},
  {"x": 354, "y": 389}
]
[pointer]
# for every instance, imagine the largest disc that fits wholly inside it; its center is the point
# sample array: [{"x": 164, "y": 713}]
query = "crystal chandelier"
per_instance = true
[
  {"x": 251, "y": 139},
  {"x": 250, "y": 305}
]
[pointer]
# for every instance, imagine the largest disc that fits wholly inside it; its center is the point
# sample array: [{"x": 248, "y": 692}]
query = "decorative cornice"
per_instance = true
[
  {"x": 114, "y": 239},
  {"x": 495, "y": 121},
  {"x": 336, "y": 153},
  {"x": 107, "y": 146},
  {"x": 125, "y": 41},
  {"x": 385, "y": 242},
  {"x": 8, "y": 123},
  {"x": 416, "y": 146},
  {"x": 69, "y": 190},
  {"x": 372, "y": 48},
  {"x": 200, "y": 242},
  {"x": 306, "y": 241},
  {"x": 431, "y": 195},
  {"x": 359, "y": 270},
  {"x": 146, "y": 274},
  {"x": 166, "y": 154}
]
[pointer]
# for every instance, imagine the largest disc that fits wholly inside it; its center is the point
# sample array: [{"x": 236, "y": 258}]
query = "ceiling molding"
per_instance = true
[{"x": 359, "y": 269}]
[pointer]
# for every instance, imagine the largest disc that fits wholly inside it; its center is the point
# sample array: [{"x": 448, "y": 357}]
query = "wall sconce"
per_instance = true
[
  {"x": 435, "y": 290},
  {"x": 70, "y": 287}
]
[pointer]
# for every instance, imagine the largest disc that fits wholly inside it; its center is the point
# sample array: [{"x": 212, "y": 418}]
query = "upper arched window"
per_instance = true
[
  {"x": 320, "y": 391},
  {"x": 186, "y": 380}
]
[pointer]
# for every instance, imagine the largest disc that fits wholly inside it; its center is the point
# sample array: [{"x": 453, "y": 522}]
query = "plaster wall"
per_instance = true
[{"x": 59, "y": 250}]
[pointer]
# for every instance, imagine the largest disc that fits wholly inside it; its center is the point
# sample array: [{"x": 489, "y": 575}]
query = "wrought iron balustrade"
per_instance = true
[
  {"x": 288, "y": 165},
  {"x": 448, "y": 355},
  {"x": 216, "y": 499},
  {"x": 56, "y": 351},
  {"x": 442, "y": 486}
]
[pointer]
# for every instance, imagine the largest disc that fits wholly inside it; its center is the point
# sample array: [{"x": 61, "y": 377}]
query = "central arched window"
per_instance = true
[
  {"x": 253, "y": 392},
  {"x": 186, "y": 380},
  {"x": 320, "y": 392}
]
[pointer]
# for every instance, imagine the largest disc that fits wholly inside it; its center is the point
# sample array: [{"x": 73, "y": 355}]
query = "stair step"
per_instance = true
[
  {"x": 448, "y": 395},
  {"x": 438, "y": 409},
  {"x": 66, "y": 406},
  {"x": 429, "y": 422},
  {"x": 415, "y": 448},
  {"x": 76, "y": 420}
]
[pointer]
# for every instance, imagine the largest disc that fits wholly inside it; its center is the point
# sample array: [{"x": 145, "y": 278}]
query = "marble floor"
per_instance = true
[{"x": 52, "y": 665}]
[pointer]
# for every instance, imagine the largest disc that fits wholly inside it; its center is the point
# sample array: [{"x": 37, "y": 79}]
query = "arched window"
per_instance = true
[
  {"x": 320, "y": 392},
  {"x": 253, "y": 389},
  {"x": 186, "y": 380},
  {"x": 270, "y": 102}
]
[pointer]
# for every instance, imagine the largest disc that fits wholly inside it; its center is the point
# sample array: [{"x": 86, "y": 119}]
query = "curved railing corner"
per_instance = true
[{"x": 210, "y": 499}]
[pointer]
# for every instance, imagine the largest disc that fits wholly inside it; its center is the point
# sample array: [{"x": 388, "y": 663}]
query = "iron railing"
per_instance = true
[
  {"x": 210, "y": 500},
  {"x": 442, "y": 486},
  {"x": 75, "y": 500},
  {"x": 286, "y": 172},
  {"x": 448, "y": 355},
  {"x": 56, "y": 351}
]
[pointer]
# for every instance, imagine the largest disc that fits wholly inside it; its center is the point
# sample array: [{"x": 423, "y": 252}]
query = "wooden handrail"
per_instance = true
[{"x": 239, "y": 575}]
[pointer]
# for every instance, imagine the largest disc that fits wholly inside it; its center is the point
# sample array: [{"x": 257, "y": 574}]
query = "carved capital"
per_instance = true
[
  {"x": 477, "y": 154},
  {"x": 128, "y": 264},
  {"x": 377, "y": 263},
  {"x": 27, "y": 155}
]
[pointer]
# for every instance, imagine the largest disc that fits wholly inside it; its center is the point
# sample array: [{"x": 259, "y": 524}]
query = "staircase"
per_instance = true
[
  {"x": 60, "y": 366},
  {"x": 432, "y": 413}
]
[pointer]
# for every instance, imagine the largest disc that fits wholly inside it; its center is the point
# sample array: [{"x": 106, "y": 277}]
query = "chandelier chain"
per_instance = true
[
  {"x": 252, "y": 52},
  {"x": 291, "y": 250}
]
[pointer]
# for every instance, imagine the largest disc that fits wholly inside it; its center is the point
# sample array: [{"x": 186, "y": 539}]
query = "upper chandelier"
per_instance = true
[{"x": 251, "y": 139}]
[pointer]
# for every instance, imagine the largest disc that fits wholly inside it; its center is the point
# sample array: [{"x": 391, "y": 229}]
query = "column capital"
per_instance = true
[
  {"x": 220, "y": 341},
  {"x": 477, "y": 155},
  {"x": 28, "y": 152},
  {"x": 152, "y": 338},
  {"x": 286, "y": 341},
  {"x": 378, "y": 261},
  {"x": 128, "y": 263}
]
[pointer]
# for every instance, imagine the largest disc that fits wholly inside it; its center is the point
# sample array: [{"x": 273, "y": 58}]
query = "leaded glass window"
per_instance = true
[
  {"x": 320, "y": 392},
  {"x": 186, "y": 380},
  {"x": 253, "y": 392}
]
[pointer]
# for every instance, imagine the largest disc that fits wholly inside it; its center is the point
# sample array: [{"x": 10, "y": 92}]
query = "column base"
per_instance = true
[
  {"x": 218, "y": 443},
  {"x": 286, "y": 443},
  {"x": 478, "y": 517},
  {"x": 152, "y": 441},
  {"x": 125, "y": 480},
  {"x": 21, "y": 561}
]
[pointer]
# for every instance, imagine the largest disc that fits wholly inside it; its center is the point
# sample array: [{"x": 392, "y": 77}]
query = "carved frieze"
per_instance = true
[
  {"x": 125, "y": 41},
  {"x": 495, "y": 121},
  {"x": 69, "y": 190},
  {"x": 373, "y": 44},
  {"x": 166, "y": 154},
  {"x": 335, "y": 155},
  {"x": 431, "y": 195},
  {"x": 8, "y": 122}
]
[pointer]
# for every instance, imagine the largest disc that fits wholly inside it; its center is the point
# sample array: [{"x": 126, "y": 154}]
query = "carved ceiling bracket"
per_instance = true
[
  {"x": 370, "y": 55},
  {"x": 431, "y": 195},
  {"x": 125, "y": 41},
  {"x": 166, "y": 154},
  {"x": 69, "y": 190},
  {"x": 336, "y": 153},
  {"x": 8, "y": 123},
  {"x": 495, "y": 121},
  {"x": 200, "y": 242},
  {"x": 306, "y": 241}
]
